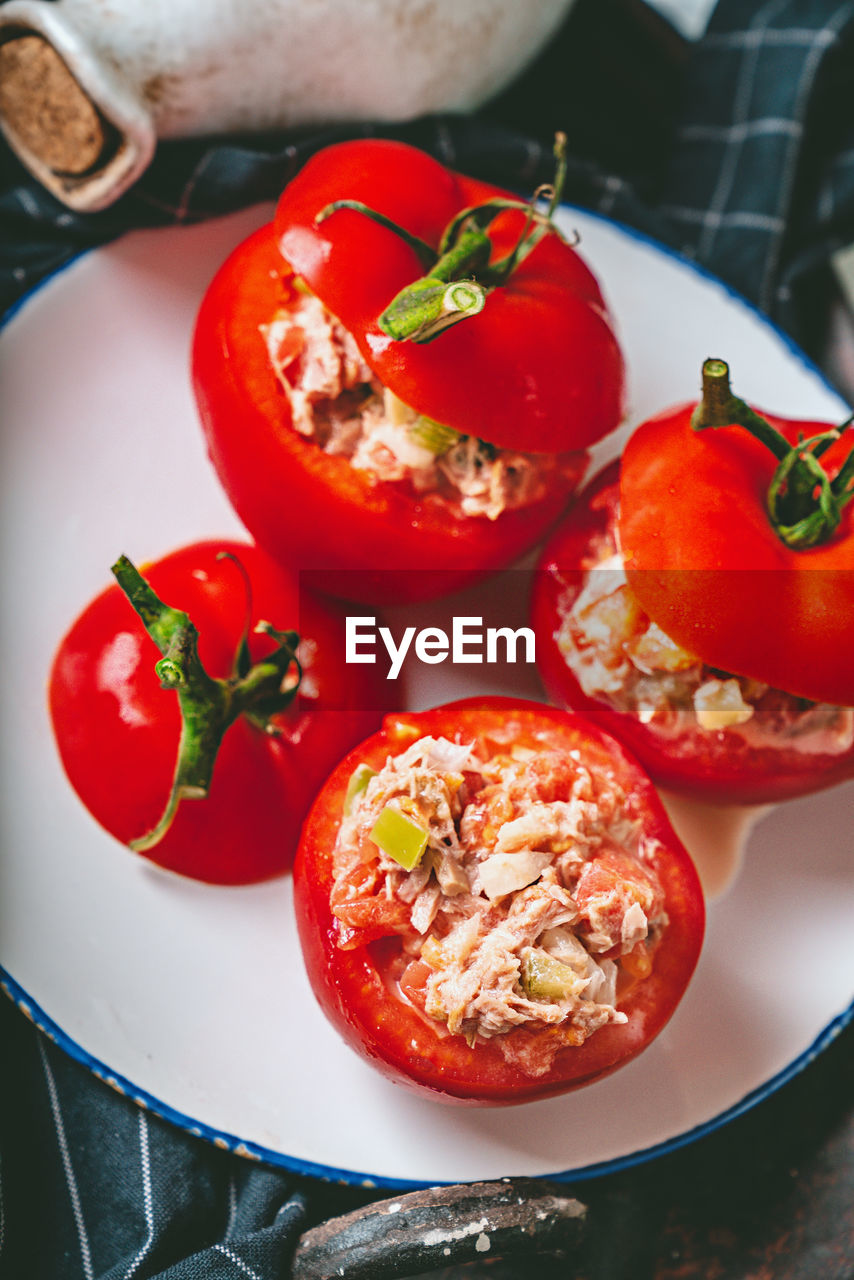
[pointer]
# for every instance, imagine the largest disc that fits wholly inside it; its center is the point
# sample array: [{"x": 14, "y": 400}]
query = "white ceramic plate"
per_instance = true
[{"x": 192, "y": 998}]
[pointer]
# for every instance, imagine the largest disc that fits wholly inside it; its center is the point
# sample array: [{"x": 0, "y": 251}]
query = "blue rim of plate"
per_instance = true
[{"x": 328, "y": 1173}]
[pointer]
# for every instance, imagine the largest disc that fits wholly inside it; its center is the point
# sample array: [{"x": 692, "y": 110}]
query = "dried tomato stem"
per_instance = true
[
  {"x": 537, "y": 224},
  {"x": 426, "y": 252},
  {"x": 843, "y": 481},
  {"x": 720, "y": 408},
  {"x": 208, "y": 705},
  {"x": 803, "y": 503},
  {"x": 426, "y": 307},
  {"x": 449, "y": 293}
]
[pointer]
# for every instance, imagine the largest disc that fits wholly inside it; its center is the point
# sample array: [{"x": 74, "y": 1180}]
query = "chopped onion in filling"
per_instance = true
[
  {"x": 619, "y": 656},
  {"x": 532, "y": 899},
  {"x": 718, "y": 704},
  {"x": 338, "y": 402}
]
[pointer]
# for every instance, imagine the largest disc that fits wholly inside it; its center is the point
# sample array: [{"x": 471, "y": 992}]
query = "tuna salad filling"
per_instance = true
[
  {"x": 620, "y": 657},
  {"x": 337, "y": 401},
  {"x": 524, "y": 899}
]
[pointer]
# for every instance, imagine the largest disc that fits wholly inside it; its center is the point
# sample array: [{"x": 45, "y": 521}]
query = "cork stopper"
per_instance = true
[{"x": 46, "y": 115}]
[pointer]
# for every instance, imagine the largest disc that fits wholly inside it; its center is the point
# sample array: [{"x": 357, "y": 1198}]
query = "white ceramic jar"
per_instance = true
[{"x": 144, "y": 69}]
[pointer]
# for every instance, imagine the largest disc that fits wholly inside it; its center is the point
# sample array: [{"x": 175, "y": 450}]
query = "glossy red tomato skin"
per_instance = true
[
  {"x": 364, "y": 539},
  {"x": 539, "y": 369},
  {"x": 708, "y": 765},
  {"x": 706, "y": 564},
  {"x": 351, "y": 985},
  {"x": 117, "y": 730}
]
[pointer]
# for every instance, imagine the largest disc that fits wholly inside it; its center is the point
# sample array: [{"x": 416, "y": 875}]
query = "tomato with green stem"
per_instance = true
[
  {"x": 206, "y": 760},
  {"x": 695, "y": 602},
  {"x": 738, "y": 539},
  {"x": 376, "y": 229},
  {"x": 467, "y": 304}
]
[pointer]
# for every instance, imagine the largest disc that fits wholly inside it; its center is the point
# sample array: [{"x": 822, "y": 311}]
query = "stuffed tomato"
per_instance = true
[
  {"x": 398, "y": 378},
  {"x": 206, "y": 761},
  {"x": 675, "y": 608},
  {"x": 492, "y": 904}
]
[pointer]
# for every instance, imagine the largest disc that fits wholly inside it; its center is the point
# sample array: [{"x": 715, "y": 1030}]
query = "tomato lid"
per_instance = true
[
  {"x": 711, "y": 563},
  {"x": 528, "y": 360}
]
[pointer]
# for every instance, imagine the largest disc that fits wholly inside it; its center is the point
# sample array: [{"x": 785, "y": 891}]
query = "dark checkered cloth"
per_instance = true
[
  {"x": 740, "y": 153},
  {"x": 742, "y": 156}
]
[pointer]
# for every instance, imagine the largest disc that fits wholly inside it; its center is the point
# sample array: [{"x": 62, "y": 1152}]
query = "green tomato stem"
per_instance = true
[
  {"x": 209, "y": 705},
  {"x": 426, "y": 252},
  {"x": 804, "y": 505},
  {"x": 447, "y": 295},
  {"x": 426, "y": 307},
  {"x": 424, "y": 310},
  {"x": 720, "y": 408}
]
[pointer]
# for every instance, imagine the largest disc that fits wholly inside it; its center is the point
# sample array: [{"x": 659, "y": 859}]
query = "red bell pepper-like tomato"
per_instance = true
[
  {"x": 536, "y": 369},
  {"x": 118, "y": 727},
  {"x": 741, "y": 546},
  {"x": 598, "y": 654},
  {"x": 709, "y": 645},
  {"x": 494, "y": 1017}
]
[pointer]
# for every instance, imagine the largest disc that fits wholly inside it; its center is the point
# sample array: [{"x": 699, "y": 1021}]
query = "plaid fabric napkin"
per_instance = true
[{"x": 738, "y": 152}]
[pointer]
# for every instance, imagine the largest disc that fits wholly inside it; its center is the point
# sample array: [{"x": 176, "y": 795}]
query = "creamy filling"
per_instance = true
[
  {"x": 338, "y": 402},
  {"x": 619, "y": 656},
  {"x": 532, "y": 906}
]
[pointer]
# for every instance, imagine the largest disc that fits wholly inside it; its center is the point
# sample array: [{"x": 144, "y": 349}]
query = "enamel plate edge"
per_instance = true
[{"x": 193, "y": 999}]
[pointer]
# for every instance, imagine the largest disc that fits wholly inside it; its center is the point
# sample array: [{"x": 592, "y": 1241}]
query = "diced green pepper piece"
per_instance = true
[
  {"x": 399, "y": 837},
  {"x": 359, "y": 779},
  {"x": 434, "y": 436},
  {"x": 546, "y": 977}
]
